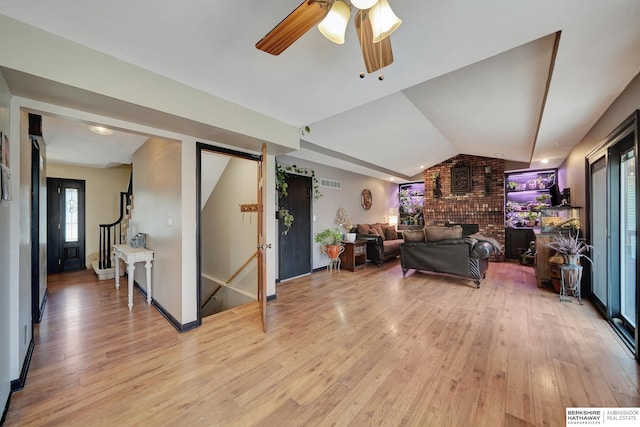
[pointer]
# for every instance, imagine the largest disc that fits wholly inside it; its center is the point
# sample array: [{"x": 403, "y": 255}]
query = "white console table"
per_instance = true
[{"x": 130, "y": 256}]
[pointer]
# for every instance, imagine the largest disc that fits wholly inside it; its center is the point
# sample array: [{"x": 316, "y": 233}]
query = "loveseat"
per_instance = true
[
  {"x": 383, "y": 241},
  {"x": 444, "y": 250}
]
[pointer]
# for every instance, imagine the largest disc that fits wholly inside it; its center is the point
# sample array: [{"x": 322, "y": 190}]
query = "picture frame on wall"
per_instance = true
[{"x": 461, "y": 179}]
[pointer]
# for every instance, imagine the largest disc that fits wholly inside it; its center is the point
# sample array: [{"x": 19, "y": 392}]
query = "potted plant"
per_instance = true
[
  {"x": 343, "y": 220},
  {"x": 532, "y": 217},
  {"x": 330, "y": 241},
  {"x": 572, "y": 248}
]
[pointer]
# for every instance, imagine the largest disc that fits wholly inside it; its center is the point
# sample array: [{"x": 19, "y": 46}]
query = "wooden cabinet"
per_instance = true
[
  {"x": 354, "y": 255},
  {"x": 516, "y": 239},
  {"x": 549, "y": 272},
  {"x": 543, "y": 253}
]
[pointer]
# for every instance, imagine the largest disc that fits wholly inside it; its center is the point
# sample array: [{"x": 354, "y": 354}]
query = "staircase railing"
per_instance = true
[{"x": 112, "y": 234}]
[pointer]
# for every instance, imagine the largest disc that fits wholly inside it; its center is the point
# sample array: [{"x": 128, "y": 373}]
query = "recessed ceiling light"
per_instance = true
[
  {"x": 421, "y": 166},
  {"x": 392, "y": 179},
  {"x": 100, "y": 130},
  {"x": 499, "y": 155},
  {"x": 544, "y": 161}
]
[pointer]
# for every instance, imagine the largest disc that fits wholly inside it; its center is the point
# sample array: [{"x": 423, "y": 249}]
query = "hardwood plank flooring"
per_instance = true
[{"x": 343, "y": 348}]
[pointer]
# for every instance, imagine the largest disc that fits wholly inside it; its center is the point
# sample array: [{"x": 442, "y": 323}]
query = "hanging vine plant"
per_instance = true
[
  {"x": 282, "y": 173},
  {"x": 287, "y": 219}
]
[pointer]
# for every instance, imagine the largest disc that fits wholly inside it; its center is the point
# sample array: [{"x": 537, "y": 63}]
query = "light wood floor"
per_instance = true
[{"x": 363, "y": 348}]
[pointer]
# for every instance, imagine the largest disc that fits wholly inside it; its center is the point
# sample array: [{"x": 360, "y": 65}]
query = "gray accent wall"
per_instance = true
[
  {"x": 385, "y": 196},
  {"x": 572, "y": 171}
]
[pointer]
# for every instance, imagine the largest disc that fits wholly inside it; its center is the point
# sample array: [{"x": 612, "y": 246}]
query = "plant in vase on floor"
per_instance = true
[
  {"x": 330, "y": 242},
  {"x": 572, "y": 248}
]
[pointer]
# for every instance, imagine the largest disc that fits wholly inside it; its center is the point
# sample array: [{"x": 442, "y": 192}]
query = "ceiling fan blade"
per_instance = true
[
  {"x": 291, "y": 28},
  {"x": 376, "y": 55}
]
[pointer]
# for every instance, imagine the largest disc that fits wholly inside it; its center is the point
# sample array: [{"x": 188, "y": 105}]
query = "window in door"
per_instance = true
[{"x": 71, "y": 215}]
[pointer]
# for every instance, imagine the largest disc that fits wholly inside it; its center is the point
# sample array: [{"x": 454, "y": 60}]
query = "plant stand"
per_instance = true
[
  {"x": 334, "y": 257},
  {"x": 571, "y": 276}
]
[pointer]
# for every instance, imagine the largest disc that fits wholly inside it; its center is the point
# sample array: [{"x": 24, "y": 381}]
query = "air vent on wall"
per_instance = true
[{"x": 329, "y": 183}]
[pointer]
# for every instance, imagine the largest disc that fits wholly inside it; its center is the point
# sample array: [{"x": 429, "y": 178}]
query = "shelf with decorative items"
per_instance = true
[
  {"x": 525, "y": 194},
  {"x": 410, "y": 204}
]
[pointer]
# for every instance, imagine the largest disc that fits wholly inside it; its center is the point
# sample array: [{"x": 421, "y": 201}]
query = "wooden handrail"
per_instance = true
[
  {"x": 233, "y": 276},
  {"x": 211, "y": 296}
]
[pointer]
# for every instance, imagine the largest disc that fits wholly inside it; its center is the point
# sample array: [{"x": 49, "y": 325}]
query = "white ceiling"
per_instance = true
[
  {"x": 73, "y": 143},
  {"x": 469, "y": 76}
]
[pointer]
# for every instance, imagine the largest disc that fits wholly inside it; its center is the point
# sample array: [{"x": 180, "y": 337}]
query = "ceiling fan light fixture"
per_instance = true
[
  {"x": 364, "y": 4},
  {"x": 334, "y": 25},
  {"x": 383, "y": 21}
]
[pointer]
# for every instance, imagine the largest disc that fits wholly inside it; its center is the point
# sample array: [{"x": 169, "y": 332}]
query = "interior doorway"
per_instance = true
[
  {"x": 230, "y": 211},
  {"x": 65, "y": 225}
]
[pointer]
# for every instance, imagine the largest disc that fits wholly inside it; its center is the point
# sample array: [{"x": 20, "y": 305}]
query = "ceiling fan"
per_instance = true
[{"x": 374, "y": 22}]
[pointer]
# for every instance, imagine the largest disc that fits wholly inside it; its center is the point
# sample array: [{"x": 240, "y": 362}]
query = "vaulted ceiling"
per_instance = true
[{"x": 519, "y": 80}]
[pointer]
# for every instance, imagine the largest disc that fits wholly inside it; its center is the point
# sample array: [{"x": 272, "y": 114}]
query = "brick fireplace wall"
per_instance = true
[{"x": 474, "y": 207}]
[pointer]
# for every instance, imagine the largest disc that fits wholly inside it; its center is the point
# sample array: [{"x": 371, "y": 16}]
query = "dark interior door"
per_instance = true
[
  {"x": 35, "y": 230},
  {"x": 65, "y": 225},
  {"x": 294, "y": 255}
]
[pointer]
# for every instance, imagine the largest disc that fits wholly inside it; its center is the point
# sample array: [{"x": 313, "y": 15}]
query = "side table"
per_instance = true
[
  {"x": 354, "y": 255},
  {"x": 130, "y": 256}
]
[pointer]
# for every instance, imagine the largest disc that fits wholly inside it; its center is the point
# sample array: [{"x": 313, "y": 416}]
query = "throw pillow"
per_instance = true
[
  {"x": 363, "y": 228},
  {"x": 378, "y": 230},
  {"x": 411, "y": 236},
  {"x": 434, "y": 233},
  {"x": 390, "y": 233}
]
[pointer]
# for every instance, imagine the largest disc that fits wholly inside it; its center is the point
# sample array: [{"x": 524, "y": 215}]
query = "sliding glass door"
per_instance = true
[
  {"x": 613, "y": 200},
  {"x": 624, "y": 307},
  {"x": 599, "y": 239}
]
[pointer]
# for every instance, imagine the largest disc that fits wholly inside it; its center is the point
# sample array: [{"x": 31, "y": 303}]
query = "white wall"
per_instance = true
[
  {"x": 574, "y": 168},
  {"x": 157, "y": 191},
  {"x": 59, "y": 60},
  {"x": 385, "y": 196},
  {"x": 5, "y": 265},
  {"x": 102, "y": 196},
  {"x": 20, "y": 238},
  {"x": 229, "y": 237}
]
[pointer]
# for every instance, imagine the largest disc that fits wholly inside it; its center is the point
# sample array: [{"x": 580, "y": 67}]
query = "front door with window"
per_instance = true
[{"x": 65, "y": 225}]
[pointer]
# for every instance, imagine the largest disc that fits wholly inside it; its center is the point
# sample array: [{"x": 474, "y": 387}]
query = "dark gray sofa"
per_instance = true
[{"x": 463, "y": 256}]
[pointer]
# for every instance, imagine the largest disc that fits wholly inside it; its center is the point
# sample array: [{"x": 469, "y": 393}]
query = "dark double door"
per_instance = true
[{"x": 65, "y": 225}]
